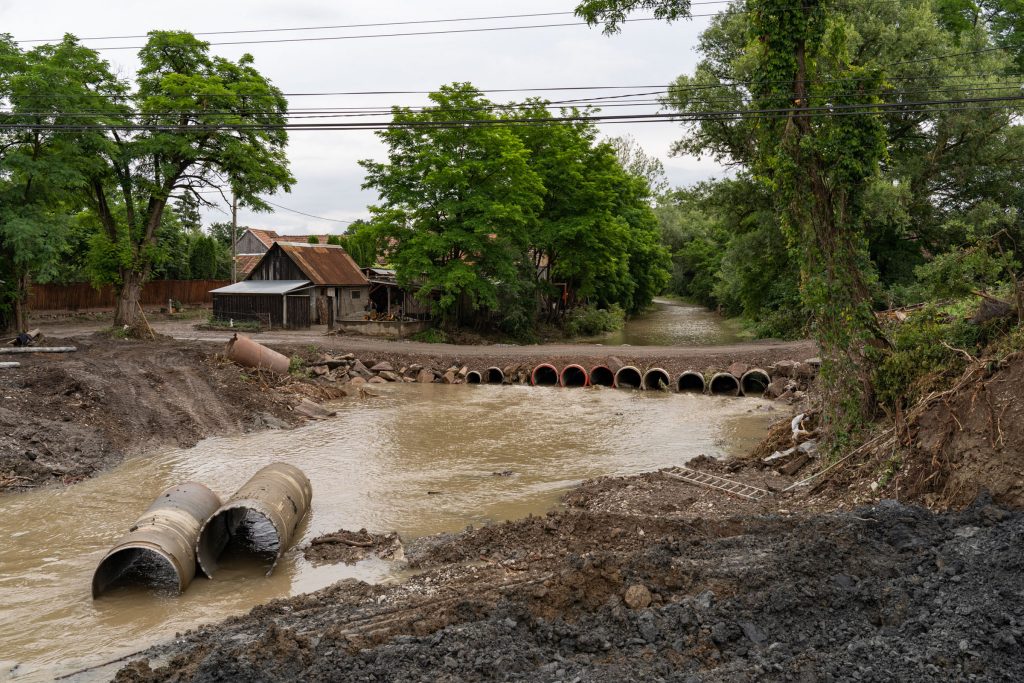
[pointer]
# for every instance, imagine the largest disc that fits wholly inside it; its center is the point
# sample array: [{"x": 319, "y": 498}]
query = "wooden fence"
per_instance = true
[{"x": 82, "y": 295}]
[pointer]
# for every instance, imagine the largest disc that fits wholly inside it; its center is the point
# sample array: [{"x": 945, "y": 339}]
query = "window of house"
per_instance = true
[{"x": 355, "y": 293}]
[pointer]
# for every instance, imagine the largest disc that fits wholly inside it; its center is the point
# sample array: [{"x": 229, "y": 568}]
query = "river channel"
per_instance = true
[
  {"x": 371, "y": 466},
  {"x": 675, "y": 323}
]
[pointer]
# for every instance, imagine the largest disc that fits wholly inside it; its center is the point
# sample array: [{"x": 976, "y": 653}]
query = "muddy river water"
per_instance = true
[
  {"x": 675, "y": 323},
  {"x": 418, "y": 459}
]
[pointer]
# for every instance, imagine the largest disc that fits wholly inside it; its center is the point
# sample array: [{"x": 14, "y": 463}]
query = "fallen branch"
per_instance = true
[
  {"x": 38, "y": 349},
  {"x": 335, "y": 538}
]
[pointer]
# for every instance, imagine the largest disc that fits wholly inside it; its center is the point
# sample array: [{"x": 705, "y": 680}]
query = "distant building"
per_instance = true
[{"x": 254, "y": 243}]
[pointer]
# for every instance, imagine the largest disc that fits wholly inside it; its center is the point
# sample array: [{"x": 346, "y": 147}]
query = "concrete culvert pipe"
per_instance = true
[
  {"x": 690, "y": 381},
  {"x": 657, "y": 379},
  {"x": 262, "y": 517},
  {"x": 494, "y": 376},
  {"x": 724, "y": 384},
  {"x": 628, "y": 377},
  {"x": 755, "y": 382},
  {"x": 544, "y": 375},
  {"x": 159, "y": 548},
  {"x": 602, "y": 376},
  {"x": 574, "y": 376},
  {"x": 473, "y": 377}
]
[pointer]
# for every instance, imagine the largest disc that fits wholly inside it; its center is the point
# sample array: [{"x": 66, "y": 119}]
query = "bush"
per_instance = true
[
  {"x": 431, "y": 336},
  {"x": 589, "y": 321}
]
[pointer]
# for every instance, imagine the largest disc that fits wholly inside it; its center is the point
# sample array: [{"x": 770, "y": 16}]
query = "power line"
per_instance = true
[{"x": 302, "y": 213}]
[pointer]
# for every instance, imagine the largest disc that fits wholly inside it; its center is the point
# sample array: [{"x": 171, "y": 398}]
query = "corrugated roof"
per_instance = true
[
  {"x": 244, "y": 263},
  {"x": 263, "y": 287},
  {"x": 301, "y": 239},
  {"x": 267, "y": 237},
  {"x": 326, "y": 265}
]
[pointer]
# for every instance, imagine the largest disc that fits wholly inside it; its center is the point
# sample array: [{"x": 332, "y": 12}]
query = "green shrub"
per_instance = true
[
  {"x": 431, "y": 336},
  {"x": 589, "y": 321}
]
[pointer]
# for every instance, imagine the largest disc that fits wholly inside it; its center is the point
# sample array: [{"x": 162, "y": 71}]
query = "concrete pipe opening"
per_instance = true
[
  {"x": 473, "y": 377},
  {"x": 657, "y": 379},
  {"x": 574, "y": 376},
  {"x": 544, "y": 375},
  {"x": 159, "y": 548},
  {"x": 494, "y": 376},
  {"x": 690, "y": 382},
  {"x": 724, "y": 384},
  {"x": 602, "y": 376},
  {"x": 261, "y": 519},
  {"x": 755, "y": 382},
  {"x": 628, "y": 377}
]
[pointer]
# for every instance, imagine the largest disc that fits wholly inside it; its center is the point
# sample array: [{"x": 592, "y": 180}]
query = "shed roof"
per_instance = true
[
  {"x": 246, "y": 262},
  {"x": 263, "y": 287},
  {"x": 325, "y": 264},
  {"x": 267, "y": 237}
]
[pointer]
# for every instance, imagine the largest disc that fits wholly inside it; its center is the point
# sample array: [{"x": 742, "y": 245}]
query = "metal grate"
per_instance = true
[{"x": 717, "y": 483}]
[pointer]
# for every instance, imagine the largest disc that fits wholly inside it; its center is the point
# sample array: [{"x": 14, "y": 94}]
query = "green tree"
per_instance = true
[
  {"x": 456, "y": 201},
  {"x": 361, "y": 242},
  {"x": 196, "y": 121},
  {"x": 204, "y": 257}
]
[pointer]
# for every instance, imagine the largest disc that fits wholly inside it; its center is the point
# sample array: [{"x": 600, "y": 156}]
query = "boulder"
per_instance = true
[
  {"x": 357, "y": 380},
  {"x": 320, "y": 370},
  {"x": 637, "y": 596},
  {"x": 425, "y": 376},
  {"x": 737, "y": 370},
  {"x": 383, "y": 366},
  {"x": 784, "y": 368},
  {"x": 805, "y": 371},
  {"x": 388, "y": 376},
  {"x": 463, "y": 371},
  {"x": 359, "y": 369},
  {"x": 449, "y": 377},
  {"x": 376, "y": 380}
]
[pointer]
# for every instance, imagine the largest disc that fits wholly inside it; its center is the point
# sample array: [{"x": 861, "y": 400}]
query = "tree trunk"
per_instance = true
[
  {"x": 21, "y": 303},
  {"x": 129, "y": 297}
]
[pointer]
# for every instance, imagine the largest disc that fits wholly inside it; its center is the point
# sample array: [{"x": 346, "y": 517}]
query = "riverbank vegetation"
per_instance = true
[{"x": 874, "y": 156}]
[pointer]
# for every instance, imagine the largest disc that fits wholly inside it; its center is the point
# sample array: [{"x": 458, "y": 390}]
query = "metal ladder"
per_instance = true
[{"x": 717, "y": 483}]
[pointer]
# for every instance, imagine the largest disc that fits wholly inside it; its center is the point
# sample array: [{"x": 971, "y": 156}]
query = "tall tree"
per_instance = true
[
  {"x": 457, "y": 194},
  {"x": 197, "y": 121}
]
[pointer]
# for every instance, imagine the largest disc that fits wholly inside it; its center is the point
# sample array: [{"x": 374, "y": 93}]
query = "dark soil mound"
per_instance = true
[{"x": 884, "y": 593}]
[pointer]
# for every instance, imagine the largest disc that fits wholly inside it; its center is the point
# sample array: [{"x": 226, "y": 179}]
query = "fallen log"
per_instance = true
[
  {"x": 10, "y": 365},
  {"x": 335, "y": 538},
  {"x": 38, "y": 349}
]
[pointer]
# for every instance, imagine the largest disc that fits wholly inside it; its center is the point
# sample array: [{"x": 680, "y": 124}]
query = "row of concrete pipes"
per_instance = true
[
  {"x": 752, "y": 383},
  {"x": 188, "y": 527}
]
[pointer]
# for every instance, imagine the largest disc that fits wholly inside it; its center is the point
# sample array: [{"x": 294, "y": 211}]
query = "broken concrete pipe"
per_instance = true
[
  {"x": 494, "y": 376},
  {"x": 657, "y": 379},
  {"x": 690, "y": 382},
  {"x": 724, "y": 384},
  {"x": 159, "y": 547},
  {"x": 473, "y": 377},
  {"x": 262, "y": 517},
  {"x": 628, "y": 377},
  {"x": 602, "y": 376},
  {"x": 245, "y": 351},
  {"x": 544, "y": 375},
  {"x": 574, "y": 376},
  {"x": 755, "y": 382}
]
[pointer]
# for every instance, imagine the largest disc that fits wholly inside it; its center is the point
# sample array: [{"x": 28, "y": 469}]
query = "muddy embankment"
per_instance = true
[
  {"x": 64, "y": 417},
  {"x": 650, "y": 578}
]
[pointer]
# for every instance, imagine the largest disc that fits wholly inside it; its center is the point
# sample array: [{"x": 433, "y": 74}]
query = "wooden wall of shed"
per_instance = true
[
  {"x": 263, "y": 308},
  {"x": 248, "y": 244},
  {"x": 277, "y": 266}
]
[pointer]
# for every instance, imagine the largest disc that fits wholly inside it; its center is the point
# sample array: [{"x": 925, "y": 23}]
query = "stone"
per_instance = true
[
  {"x": 449, "y": 377},
  {"x": 414, "y": 369},
  {"x": 359, "y": 369},
  {"x": 376, "y": 380},
  {"x": 425, "y": 376},
  {"x": 784, "y": 368},
  {"x": 320, "y": 370},
  {"x": 383, "y": 366},
  {"x": 753, "y": 632},
  {"x": 776, "y": 388},
  {"x": 357, "y": 380},
  {"x": 737, "y": 369},
  {"x": 805, "y": 371},
  {"x": 637, "y": 596},
  {"x": 388, "y": 376},
  {"x": 463, "y": 371}
]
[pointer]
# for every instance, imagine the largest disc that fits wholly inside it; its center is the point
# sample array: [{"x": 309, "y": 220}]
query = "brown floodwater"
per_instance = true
[
  {"x": 417, "y": 459},
  {"x": 675, "y": 323}
]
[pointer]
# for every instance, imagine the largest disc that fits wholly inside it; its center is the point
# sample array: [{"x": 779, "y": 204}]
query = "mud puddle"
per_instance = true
[{"x": 419, "y": 459}]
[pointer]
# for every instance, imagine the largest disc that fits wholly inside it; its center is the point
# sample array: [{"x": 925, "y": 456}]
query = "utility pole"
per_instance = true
[{"x": 234, "y": 237}]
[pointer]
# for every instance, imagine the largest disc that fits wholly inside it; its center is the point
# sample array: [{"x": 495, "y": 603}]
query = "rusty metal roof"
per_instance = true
[
  {"x": 325, "y": 264},
  {"x": 301, "y": 239},
  {"x": 267, "y": 237},
  {"x": 244, "y": 263}
]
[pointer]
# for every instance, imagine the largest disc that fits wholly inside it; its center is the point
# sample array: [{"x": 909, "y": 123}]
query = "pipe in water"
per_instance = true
[
  {"x": 544, "y": 375},
  {"x": 628, "y": 377},
  {"x": 574, "y": 376},
  {"x": 722, "y": 383},
  {"x": 690, "y": 381},
  {"x": 657, "y": 379},
  {"x": 494, "y": 376},
  {"x": 263, "y": 516},
  {"x": 755, "y": 382},
  {"x": 602, "y": 376},
  {"x": 245, "y": 351},
  {"x": 473, "y": 377},
  {"x": 161, "y": 542}
]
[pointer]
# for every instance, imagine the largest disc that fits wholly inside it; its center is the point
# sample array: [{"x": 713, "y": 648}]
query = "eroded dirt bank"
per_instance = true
[
  {"x": 887, "y": 592},
  {"x": 64, "y": 417}
]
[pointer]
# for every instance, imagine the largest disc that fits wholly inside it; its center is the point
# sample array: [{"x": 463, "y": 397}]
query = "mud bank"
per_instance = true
[
  {"x": 66, "y": 417},
  {"x": 887, "y": 592}
]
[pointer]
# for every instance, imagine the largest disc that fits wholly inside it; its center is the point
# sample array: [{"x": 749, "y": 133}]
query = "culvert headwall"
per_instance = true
[
  {"x": 160, "y": 545},
  {"x": 263, "y": 516}
]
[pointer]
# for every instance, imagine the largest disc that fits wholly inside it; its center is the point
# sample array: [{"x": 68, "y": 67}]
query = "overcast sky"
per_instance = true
[{"x": 324, "y": 163}]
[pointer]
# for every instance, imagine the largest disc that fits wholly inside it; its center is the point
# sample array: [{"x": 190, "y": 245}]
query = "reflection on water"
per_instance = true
[
  {"x": 672, "y": 323},
  {"x": 372, "y": 467}
]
